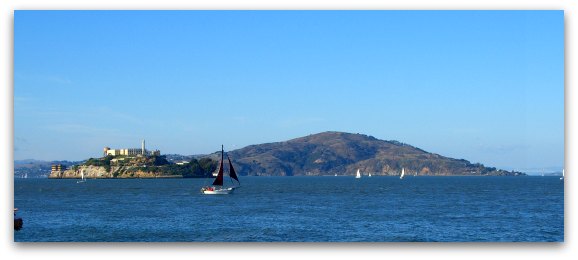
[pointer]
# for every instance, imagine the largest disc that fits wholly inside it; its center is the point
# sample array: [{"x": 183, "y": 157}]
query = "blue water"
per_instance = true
[{"x": 319, "y": 209}]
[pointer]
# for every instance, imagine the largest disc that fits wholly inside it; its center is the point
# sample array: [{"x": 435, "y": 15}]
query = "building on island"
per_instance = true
[
  {"x": 58, "y": 167},
  {"x": 131, "y": 151}
]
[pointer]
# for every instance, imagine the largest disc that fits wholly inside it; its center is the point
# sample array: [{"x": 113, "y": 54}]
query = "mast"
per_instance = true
[{"x": 219, "y": 180}]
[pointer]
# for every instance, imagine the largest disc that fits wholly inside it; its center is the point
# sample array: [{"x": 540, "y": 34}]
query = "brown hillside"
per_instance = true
[{"x": 341, "y": 153}]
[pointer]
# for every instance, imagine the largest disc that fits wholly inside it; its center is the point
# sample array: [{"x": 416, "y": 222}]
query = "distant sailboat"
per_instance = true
[
  {"x": 402, "y": 173},
  {"x": 217, "y": 187},
  {"x": 82, "y": 179},
  {"x": 562, "y": 178},
  {"x": 369, "y": 175},
  {"x": 358, "y": 175}
]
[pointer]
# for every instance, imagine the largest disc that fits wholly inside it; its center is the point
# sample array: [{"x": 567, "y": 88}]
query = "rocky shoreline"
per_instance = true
[{"x": 99, "y": 172}]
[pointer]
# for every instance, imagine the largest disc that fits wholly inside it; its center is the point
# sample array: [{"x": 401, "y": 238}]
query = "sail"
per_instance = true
[
  {"x": 219, "y": 180},
  {"x": 232, "y": 171}
]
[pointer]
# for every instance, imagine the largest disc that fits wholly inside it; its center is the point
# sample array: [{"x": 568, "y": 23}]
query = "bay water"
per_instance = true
[{"x": 293, "y": 209}]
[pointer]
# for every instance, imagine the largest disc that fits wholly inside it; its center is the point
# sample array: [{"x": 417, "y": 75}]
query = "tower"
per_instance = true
[{"x": 143, "y": 147}]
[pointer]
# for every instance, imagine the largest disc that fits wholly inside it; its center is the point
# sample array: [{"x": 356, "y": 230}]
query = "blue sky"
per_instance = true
[{"x": 486, "y": 86}]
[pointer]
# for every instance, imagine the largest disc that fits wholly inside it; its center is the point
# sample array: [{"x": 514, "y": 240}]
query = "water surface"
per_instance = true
[{"x": 317, "y": 209}]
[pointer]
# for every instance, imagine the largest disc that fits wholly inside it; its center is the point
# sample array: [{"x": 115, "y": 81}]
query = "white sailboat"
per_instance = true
[
  {"x": 402, "y": 173},
  {"x": 369, "y": 175},
  {"x": 562, "y": 178},
  {"x": 82, "y": 179},
  {"x": 217, "y": 188},
  {"x": 358, "y": 175}
]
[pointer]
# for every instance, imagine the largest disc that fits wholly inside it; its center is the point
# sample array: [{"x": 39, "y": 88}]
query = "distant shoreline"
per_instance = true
[{"x": 342, "y": 176}]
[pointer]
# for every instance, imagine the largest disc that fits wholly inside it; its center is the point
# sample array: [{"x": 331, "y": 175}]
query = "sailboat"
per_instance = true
[
  {"x": 402, "y": 173},
  {"x": 217, "y": 188},
  {"x": 369, "y": 175},
  {"x": 82, "y": 179},
  {"x": 562, "y": 178},
  {"x": 358, "y": 175}
]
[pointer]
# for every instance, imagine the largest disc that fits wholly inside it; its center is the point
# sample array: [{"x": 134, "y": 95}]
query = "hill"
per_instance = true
[{"x": 330, "y": 153}]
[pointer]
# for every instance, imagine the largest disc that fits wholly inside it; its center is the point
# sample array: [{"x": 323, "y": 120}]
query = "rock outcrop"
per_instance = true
[{"x": 90, "y": 172}]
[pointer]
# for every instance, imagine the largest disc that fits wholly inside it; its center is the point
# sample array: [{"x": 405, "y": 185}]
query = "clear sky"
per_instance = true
[{"x": 485, "y": 86}]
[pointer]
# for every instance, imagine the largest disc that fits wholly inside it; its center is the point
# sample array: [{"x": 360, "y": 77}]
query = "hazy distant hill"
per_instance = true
[
  {"x": 31, "y": 168},
  {"x": 340, "y": 153}
]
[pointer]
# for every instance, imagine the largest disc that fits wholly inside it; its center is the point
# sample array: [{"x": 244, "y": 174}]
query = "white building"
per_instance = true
[{"x": 130, "y": 151}]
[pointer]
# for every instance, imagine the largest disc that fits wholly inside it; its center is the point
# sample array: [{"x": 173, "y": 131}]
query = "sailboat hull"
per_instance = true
[{"x": 218, "y": 191}]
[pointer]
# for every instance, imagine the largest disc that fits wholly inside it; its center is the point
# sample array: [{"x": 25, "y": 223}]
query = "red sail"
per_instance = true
[
  {"x": 219, "y": 180},
  {"x": 232, "y": 171}
]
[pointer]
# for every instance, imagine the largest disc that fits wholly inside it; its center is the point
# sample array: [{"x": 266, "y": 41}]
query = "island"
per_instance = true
[
  {"x": 326, "y": 153},
  {"x": 124, "y": 166}
]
